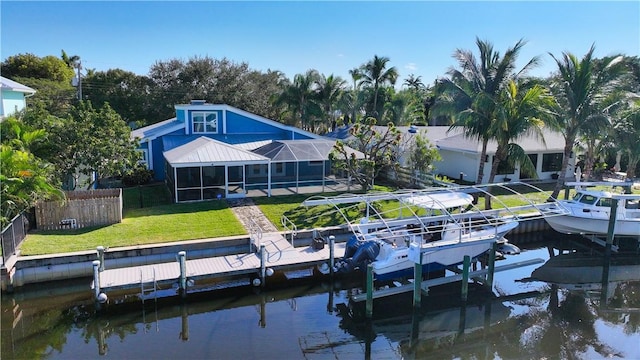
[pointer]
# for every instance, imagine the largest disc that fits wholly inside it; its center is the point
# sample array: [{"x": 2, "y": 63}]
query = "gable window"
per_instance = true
[{"x": 204, "y": 122}]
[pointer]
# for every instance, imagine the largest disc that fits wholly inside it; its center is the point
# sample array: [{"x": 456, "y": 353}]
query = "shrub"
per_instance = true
[{"x": 137, "y": 176}]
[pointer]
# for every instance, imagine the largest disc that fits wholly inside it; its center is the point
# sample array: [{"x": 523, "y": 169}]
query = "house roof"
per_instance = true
[
  {"x": 10, "y": 85},
  {"x": 205, "y": 151},
  {"x": 158, "y": 129},
  {"x": 550, "y": 141},
  {"x": 301, "y": 150}
]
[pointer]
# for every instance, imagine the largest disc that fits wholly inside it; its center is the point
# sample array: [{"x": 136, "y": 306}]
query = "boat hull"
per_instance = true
[
  {"x": 432, "y": 260},
  {"x": 572, "y": 224}
]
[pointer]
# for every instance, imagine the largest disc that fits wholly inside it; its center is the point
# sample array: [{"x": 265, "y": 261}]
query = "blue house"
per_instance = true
[
  {"x": 13, "y": 96},
  {"x": 211, "y": 151}
]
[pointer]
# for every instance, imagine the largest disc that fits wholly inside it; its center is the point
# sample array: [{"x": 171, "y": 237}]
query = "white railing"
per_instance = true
[{"x": 290, "y": 228}]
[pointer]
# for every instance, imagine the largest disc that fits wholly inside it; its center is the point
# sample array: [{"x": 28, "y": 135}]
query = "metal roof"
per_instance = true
[
  {"x": 8, "y": 84},
  {"x": 301, "y": 150},
  {"x": 154, "y": 130},
  {"x": 206, "y": 151},
  {"x": 550, "y": 141}
]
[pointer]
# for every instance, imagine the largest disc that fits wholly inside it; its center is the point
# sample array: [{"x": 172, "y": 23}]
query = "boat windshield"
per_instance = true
[
  {"x": 606, "y": 202},
  {"x": 585, "y": 198}
]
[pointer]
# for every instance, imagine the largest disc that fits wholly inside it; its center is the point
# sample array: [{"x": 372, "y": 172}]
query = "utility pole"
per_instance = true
[{"x": 79, "y": 66}]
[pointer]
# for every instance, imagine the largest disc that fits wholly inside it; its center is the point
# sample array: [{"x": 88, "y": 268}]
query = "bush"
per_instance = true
[{"x": 137, "y": 176}]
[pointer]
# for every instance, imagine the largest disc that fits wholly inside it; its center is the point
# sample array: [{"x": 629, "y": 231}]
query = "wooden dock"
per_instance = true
[{"x": 280, "y": 255}]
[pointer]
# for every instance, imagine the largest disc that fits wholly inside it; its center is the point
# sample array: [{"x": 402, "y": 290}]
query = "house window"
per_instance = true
[
  {"x": 204, "y": 122},
  {"x": 144, "y": 156},
  {"x": 278, "y": 169},
  {"x": 316, "y": 163},
  {"x": 552, "y": 162}
]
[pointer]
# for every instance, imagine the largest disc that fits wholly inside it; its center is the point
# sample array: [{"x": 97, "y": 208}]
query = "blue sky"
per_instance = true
[{"x": 332, "y": 37}]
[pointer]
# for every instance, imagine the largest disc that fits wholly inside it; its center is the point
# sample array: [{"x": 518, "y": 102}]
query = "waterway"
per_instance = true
[{"x": 521, "y": 318}]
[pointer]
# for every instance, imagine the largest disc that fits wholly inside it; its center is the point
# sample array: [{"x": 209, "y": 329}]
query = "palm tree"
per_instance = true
[
  {"x": 375, "y": 74},
  {"x": 329, "y": 92},
  {"x": 72, "y": 61},
  {"x": 470, "y": 94},
  {"x": 521, "y": 112},
  {"x": 414, "y": 82},
  {"x": 299, "y": 98},
  {"x": 579, "y": 89},
  {"x": 626, "y": 132}
]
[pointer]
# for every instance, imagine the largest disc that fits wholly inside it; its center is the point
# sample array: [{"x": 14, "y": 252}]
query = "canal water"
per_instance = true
[{"x": 559, "y": 308}]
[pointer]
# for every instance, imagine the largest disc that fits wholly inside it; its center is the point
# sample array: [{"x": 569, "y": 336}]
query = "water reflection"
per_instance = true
[{"x": 575, "y": 305}]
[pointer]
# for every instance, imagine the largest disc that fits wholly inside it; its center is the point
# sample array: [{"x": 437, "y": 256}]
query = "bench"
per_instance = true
[{"x": 68, "y": 223}]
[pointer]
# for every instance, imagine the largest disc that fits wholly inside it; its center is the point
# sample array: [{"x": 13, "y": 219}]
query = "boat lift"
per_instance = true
[{"x": 425, "y": 211}]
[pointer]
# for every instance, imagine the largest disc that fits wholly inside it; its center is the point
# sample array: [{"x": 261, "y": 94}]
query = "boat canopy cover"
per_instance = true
[{"x": 439, "y": 201}]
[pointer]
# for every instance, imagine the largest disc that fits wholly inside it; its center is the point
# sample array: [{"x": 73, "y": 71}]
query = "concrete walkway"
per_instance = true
[{"x": 246, "y": 210}]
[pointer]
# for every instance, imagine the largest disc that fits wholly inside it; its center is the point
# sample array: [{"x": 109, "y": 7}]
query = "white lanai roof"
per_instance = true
[{"x": 205, "y": 152}]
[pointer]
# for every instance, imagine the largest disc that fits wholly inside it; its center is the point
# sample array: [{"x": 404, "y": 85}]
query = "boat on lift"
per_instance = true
[
  {"x": 443, "y": 243},
  {"x": 443, "y": 224},
  {"x": 589, "y": 212}
]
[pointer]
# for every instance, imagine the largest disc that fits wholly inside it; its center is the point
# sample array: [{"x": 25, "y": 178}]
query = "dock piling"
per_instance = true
[
  {"x": 465, "y": 277},
  {"x": 182, "y": 259},
  {"x": 96, "y": 278},
  {"x": 263, "y": 264},
  {"x": 100, "y": 250},
  {"x": 332, "y": 243}
]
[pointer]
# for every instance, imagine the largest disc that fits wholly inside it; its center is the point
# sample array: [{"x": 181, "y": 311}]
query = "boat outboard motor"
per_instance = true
[
  {"x": 366, "y": 253},
  {"x": 352, "y": 246}
]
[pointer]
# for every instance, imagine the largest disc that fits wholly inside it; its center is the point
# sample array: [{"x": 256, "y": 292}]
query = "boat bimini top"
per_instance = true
[{"x": 426, "y": 211}]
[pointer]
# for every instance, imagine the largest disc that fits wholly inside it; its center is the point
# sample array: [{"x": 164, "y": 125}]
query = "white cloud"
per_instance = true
[{"x": 411, "y": 67}]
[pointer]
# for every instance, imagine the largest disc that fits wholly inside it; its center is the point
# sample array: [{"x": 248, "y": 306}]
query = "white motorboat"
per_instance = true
[
  {"x": 443, "y": 223},
  {"x": 442, "y": 244},
  {"x": 589, "y": 211}
]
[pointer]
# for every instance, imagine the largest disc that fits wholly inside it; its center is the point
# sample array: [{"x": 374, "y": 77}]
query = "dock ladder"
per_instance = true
[{"x": 148, "y": 286}]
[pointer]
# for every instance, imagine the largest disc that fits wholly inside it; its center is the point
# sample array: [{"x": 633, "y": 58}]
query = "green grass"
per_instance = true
[
  {"x": 177, "y": 222},
  {"x": 151, "y": 225}
]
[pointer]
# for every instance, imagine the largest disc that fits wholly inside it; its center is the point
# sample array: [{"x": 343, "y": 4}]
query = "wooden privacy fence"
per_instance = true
[{"x": 81, "y": 209}]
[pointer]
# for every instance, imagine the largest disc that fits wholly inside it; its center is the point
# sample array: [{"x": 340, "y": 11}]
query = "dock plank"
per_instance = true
[{"x": 280, "y": 256}]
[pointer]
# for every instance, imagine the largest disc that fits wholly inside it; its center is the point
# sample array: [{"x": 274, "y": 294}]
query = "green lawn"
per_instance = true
[
  {"x": 176, "y": 222},
  {"x": 151, "y": 225}
]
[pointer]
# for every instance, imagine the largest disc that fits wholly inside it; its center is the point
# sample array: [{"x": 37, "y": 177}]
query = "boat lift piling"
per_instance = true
[
  {"x": 369, "y": 304},
  {"x": 465, "y": 277}
]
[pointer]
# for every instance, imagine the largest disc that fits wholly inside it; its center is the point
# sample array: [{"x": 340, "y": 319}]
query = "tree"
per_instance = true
[
  {"x": 24, "y": 178},
  {"x": 626, "y": 132},
  {"x": 376, "y": 74},
  {"x": 89, "y": 141},
  {"x": 127, "y": 93},
  {"x": 414, "y": 82},
  {"x": 301, "y": 101},
  {"x": 470, "y": 93},
  {"x": 379, "y": 149},
  {"x": 578, "y": 89},
  {"x": 422, "y": 154},
  {"x": 329, "y": 92},
  {"x": 520, "y": 112},
  {"x": 32, "y": 66}
]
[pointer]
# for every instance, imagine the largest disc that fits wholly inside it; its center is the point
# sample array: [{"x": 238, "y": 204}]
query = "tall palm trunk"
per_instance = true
[
  {"x": 483, "y": 155},
  {"x": 568, "y": 147}
]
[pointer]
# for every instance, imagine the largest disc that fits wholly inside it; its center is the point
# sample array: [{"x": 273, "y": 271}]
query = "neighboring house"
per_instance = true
[
  {"x": 213, "y": 151},
  {"x": 13, "y": 97},
  {"x": 461, "y": 155}
]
